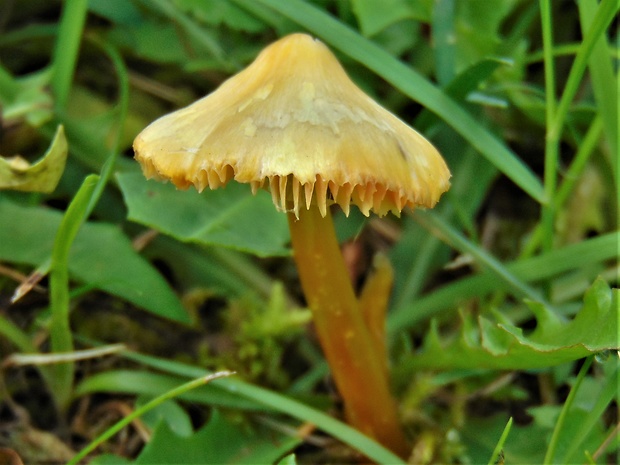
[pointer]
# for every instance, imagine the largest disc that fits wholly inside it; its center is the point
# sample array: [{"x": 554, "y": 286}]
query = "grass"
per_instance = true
[{"x": 511, "y": 277}]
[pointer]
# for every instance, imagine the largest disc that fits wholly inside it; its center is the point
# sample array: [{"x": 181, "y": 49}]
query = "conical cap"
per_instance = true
[{"x": 294, "y": 122}]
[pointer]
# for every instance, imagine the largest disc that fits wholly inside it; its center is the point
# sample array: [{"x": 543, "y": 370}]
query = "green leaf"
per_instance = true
[
  {"x": 593, "y": 251},
  {"x": 525, "y": 445},
  {"x": 220, "y": 13},
  {"x": 584, "y": 421},
  {"x": 477, "y": 29},
  {"x": 101, "y": 256},
  {"x": 229, "y": 217},
  {"x": 170, "y": 412},
  {"x": 26, "y": 97},
  {"x": 153, "y": 384},
  {"x": 374, "y": 17},
  {"x": 109, "y": 459},
  {"x": 43, "y": 176},
  {"x": 220, "y": 441},
  {"x": 254, "y": 397},
  {"x": 152, "y": 40},
  {"x": 503, "y": 346},
  {"x": 203, "y": 41},
  {"x": 288, "y": 460},
  {"x": 463, "y": 85},
  {"x": 116, "y": 11}
]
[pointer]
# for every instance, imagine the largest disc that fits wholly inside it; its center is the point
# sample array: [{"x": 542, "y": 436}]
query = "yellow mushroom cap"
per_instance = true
[{"x": 294, "y": 122}]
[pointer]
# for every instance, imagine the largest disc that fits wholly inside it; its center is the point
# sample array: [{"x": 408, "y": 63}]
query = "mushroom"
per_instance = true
[{"x": 294, "y": 123}]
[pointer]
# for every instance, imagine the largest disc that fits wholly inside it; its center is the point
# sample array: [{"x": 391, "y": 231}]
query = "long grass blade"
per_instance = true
[
  {"x": 500, "y": 444},
  {"x": 67, "y": 48},
  {"x": 280, "y": 403},
  {"x": 604, "y": 83},
  {"x": 607, "y": 394},
  {"x": 556, "y": 117},
  {"x": 551, "y": 143},
  {"x": 450, "y": 235},
  {"x": 60, "y": 331},
  {"x": 530, "y": 270},
  {"x": 107, "y": 434},
  {"x": 553, "y": 442}
]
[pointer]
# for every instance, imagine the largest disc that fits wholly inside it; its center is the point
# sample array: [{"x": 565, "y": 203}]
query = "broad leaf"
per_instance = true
[
  {"x": 374, "y": 17},
  {"x": 17, "y": 174},
  {"x": 221, "y": 13},
  {"x": 230, "y": 217},
  {"x": 477, "y": 29},
  {"x": 503, "y": 346},
  {"x": 583, "y": 430},
  {"x": 170, "y": 412},
  {"x": 26, "y": 98},
  {"x": 101, "y": 256},
  {"x": 116, "y": 11},
  {"x": 288, "y": 460},
  {"x": 220, "y": 441}
]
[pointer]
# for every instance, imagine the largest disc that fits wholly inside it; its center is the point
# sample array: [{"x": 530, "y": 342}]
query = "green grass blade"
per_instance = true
[
  {"x": 572, "y": 175},
  {"x": 605, "y": 397},
  {"x": 67, "y": 48},
  {"x": 337, "y": 429},
  {"x": 443, "y": 38},
  {"x": 60, "y": 332},
  {"x": 500, "y": 444},
  {"x": 551, "y": 144},
  {"x": 535, "y": 269},
  {"x": 205, "y": 42},
  {"x": 107, "y": 434},
  {"x": 12, "y": 333},
  {"x": 123, "y": 105},
  {"x": 410, "y": 83},
  {"x": 553, "y": 442},
  {"x": 604, "y": 83},
  {"x": 547, "y": 32},
  {"x": 8, "y": 85},
  {"x": 605, "y": 14},
  {"x": 556, "y": 117},
  {"x": 24, "y": 344},
  {"x": 282, "y": 404},
  {"x": 435, "y": 224}
]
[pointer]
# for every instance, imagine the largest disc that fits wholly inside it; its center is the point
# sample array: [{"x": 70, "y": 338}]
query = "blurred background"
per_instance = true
[{"x": 503, "y": 303}]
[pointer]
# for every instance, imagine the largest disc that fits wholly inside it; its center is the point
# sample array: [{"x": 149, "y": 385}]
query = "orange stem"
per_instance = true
[
  {"x": 357, "y": 367},
  {"x": 373, "y": 303}
]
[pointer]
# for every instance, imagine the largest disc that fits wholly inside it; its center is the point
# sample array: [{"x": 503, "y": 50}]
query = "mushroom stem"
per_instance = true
[{"x": 357, "y": 367}]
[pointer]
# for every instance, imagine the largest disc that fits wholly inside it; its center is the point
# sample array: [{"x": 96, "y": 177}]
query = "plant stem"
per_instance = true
[
  {"x": 551, "y": 139},
  {"x": 559, "y": 424},
  {"x": 66, "y": 49},
  {"x": 60, "y": 331},
  {"x": 357, "y": 368},
  {"x": 557, "y": 114}
]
